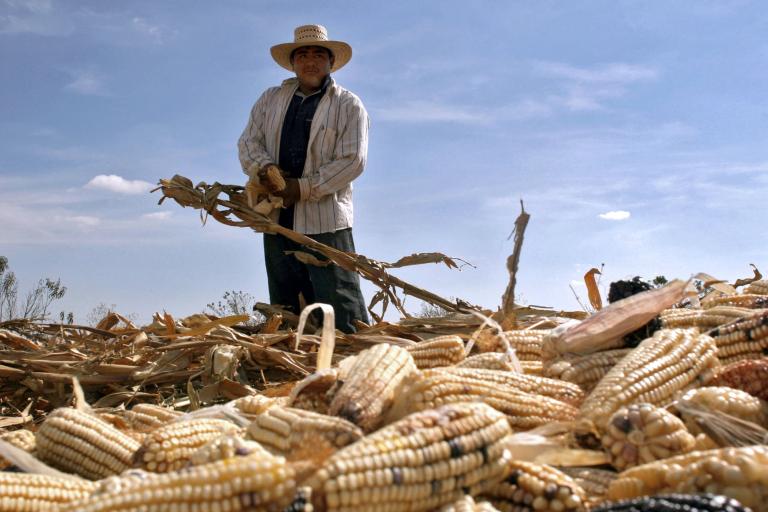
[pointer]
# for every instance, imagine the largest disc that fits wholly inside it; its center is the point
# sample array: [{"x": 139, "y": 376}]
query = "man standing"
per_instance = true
[{"x": 316, "y": 133}]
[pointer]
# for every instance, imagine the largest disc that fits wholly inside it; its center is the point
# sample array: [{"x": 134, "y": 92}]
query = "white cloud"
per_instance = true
[
  {"x": 157, "y": 216},
  {"x": 609, "y": 73},
  {"x": 423, "y": 112},
  {"x": 82, "y": 221},
  {"x": 88, "y": 83},
  {"x": 615, "y": 215},
  {"x": 145, "y": 28},
  {"x": 118, "y": 184}
]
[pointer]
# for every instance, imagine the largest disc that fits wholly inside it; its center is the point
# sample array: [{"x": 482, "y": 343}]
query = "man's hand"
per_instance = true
[
  {"x": 271, "y": 177},
  {"x": 291, "y": 193}
]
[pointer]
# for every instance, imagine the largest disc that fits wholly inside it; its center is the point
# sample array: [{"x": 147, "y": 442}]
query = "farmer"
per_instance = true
[{"x": 316, "y": 133}]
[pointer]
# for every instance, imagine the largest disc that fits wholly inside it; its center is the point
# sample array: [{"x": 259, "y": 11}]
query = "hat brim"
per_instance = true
[{"x": 342, "y": 52}]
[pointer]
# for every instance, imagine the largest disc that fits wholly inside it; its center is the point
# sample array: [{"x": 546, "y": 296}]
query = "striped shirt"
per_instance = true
[{"x": 337, "y": 152}]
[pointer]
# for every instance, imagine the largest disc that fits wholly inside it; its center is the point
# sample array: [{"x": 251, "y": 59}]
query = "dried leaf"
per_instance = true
[{"x": 592, "y": 291}]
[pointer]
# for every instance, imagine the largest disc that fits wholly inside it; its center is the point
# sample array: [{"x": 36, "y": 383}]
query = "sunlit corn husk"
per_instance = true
[{"x": 642, "y": 433}]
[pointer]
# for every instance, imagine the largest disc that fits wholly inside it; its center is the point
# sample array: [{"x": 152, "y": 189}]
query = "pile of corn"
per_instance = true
[{"x": 672, "y": 424}]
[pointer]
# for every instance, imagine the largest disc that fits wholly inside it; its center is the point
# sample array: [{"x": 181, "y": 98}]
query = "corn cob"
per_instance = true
[
  {"x": 750, "y": 375},
  {"x": 440, "y": 351},
  {"x": 147, "y": 417},
  {"x": 169, "y": 448},
  {"x": 757, "y": 288},
  {"x": 424, "y": 461},
  {"x": 275, "y": 178},
  {"x": 80, "y": 443},
  {"x": 24, "y": 439},
  {"x": 527, "y": 344},
  {"x": 746, "y": 338},
  {"x": 744, "y": 300},
  {"x": 553, "y": 388},
  {"x": 282, "y": 430},
  {"x": 531, "y": 486},
  {"x": 594, "y": 481},
  {"x": 373, "y": 380},
  {"x": 21, "y": 492},
  {"x": 654, "y": 372},
  {"x": 524, "y": 410},
  {"x": 584, "y": 370},
  {"x": 533, "y": 368},
  {"x": 468, "y": 504},
  {"x": 253, "y": 405},
  {"x": 490, "y": 361},
  {"x": 256, "y": 482},
  {"x": 315, "y": 391},
  {"x": 704, "y": 319},
  {"x": 738, "y": 473},
  {"x": 675, "y": 502},
  {"x": 226, "y": 447},
  {"x": 643, "y": 433},
  {"x": 731, "y": 402}
]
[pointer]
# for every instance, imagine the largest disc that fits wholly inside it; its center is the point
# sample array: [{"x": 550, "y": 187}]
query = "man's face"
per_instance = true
[{"x": 312, "y": 64}]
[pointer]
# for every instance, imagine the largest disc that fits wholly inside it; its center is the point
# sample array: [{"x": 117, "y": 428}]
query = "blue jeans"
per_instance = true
[{"x": 287, "y": 277}]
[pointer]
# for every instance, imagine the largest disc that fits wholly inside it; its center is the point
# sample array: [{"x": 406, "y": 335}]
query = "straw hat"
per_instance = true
[{"x": 311, "y": 35}]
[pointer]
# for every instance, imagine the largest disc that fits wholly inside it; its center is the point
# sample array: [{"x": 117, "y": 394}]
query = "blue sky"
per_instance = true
[{"x": 635, "y": 132}]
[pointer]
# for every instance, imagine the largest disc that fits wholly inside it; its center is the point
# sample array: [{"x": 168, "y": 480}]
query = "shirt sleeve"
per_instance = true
[
  {"x": 252, "y": 143},
  {"x": 349, "y": 157}
]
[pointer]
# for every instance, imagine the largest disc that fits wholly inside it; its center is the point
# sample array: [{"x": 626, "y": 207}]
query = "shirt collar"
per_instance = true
[{"x": 328, "y": 80}]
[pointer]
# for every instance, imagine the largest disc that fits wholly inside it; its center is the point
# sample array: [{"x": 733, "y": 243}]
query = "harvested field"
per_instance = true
[{"x": 518, "y": 409}]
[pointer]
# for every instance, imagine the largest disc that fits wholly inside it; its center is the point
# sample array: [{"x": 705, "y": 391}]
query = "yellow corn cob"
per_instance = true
[
  {"x": 732, "y": 402},
  {"x": 489, "y": 361},
  {"x": 594, "y": 481},
  {"x": 654, "y": 372},
  {"x": 531, "y": 486},
  {"x": 757, "y": 288},
  {"x": 468, "y": 504},
  {"x": 643, "y": 433},
  {"x": 22, "y": 492},
  {"x": 169, "y": 448},
  {"x": 374, "y": 378},
  {"x": 702, "y": 318},
  {"x": 746, "y": 338},
  {"x": 226, "y": 447},
  {"x": 80, "y": 443},
  {"x": 745, "y": 300},
  {"x": 147, "y": 417},
  {"x": 282, "y": 430},
  {"x": 24, "y": 439},
  {"x": 532, "y": 368},
  {"x": 750, "y": 375},
  {"x": 559, "y": 390},
  {"x": 256, "y": 482},
  {"x": 439, "y": 351},
  {"x": 527, "y": 344},
  {"x": 584, "y": 370},
  {"x": 419, "y": 463},
  {"x": 739, "y": 473},
  {"x": 253, "y": 405},
  {"x": 524, "y": 410},
  {"x": 275, "y": 178}
]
